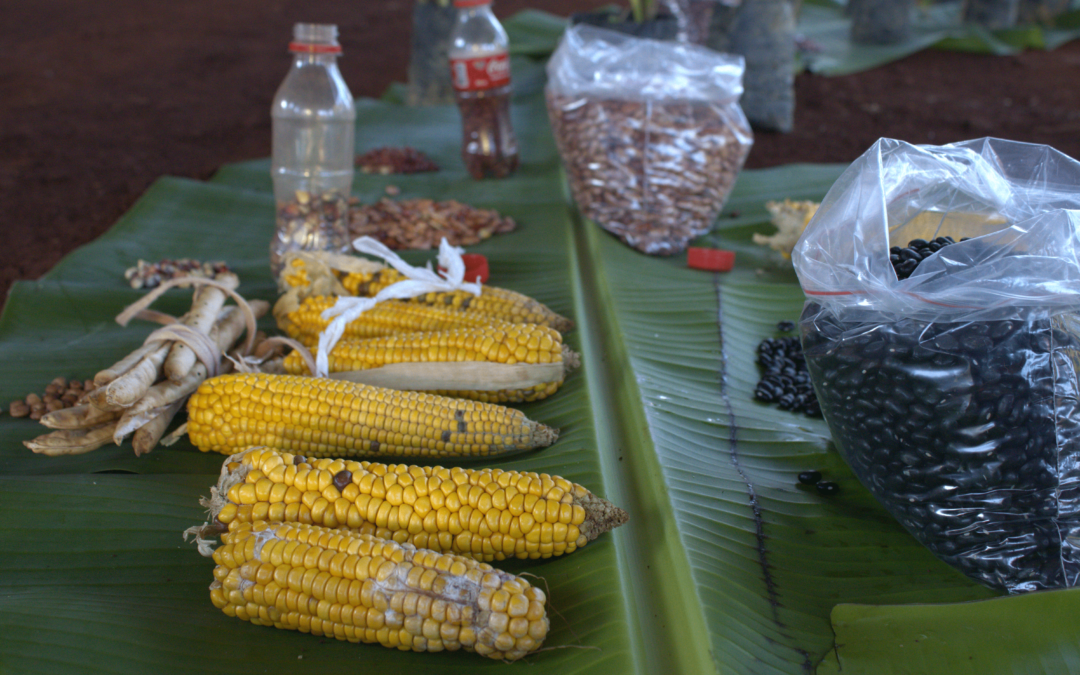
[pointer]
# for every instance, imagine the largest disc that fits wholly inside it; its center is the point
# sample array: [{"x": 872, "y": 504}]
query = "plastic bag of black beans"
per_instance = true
[{"x": 942, "y": 335}]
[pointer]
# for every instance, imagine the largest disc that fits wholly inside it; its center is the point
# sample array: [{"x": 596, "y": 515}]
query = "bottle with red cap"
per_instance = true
[
  {"x": 313, "y": 134},
  {"x": 480, "y": 73}
]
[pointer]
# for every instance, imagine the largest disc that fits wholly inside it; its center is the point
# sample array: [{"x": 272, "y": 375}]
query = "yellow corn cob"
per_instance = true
[
  {"x": 503, "y": 343},
  {"x": 321, "y": 418},
  {"x": 295, "y": 275},
  {"x": 499, "y": 303},
  {"x": 364, "y": 589},
  {"x": 387, "y": 318},
  {"x": 487, "y": 514}
]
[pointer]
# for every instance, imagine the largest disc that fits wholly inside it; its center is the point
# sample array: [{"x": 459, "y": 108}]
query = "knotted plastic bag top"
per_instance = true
[
  {"x": 602, "y": 64},
  {"x": 1019, "y": 203}
]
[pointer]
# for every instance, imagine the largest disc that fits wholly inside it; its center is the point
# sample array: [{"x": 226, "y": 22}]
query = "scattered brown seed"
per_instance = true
[
  {"x": 59, "y": 393},
  {"x": 422, "y": 223}
]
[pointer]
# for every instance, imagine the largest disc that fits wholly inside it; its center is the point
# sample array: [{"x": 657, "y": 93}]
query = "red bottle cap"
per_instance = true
[
  {"x": 471, "y": 3},
  {"x": 712, "y": 259}
]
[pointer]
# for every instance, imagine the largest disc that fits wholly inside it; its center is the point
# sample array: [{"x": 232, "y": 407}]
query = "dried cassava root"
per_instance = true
[
  {"x": 141, "y": 392},
  {"x": 654, "y": 173}
]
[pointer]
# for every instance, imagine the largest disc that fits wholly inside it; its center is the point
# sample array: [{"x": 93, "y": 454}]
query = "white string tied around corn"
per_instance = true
[{"x": 420, "y": 281}]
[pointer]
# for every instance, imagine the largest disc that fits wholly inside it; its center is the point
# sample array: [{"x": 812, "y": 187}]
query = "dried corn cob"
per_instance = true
[
  {"x": 364, "y": 589},
  {"x": 499, "y": 303},
  {"x": 321, "y": 418},
  {"x": 497, "y": 346},
  {"x": 486, "y": 514},
  {"x": 387, "y": 318}
]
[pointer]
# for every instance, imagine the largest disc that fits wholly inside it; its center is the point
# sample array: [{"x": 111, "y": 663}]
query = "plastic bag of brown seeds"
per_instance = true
[{"x": 650, "y": 132}]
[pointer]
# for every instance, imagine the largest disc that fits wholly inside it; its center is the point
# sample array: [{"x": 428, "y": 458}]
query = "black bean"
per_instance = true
[
  {"x": 809, "y": 477},
  {"x": 785, "y": 380}
]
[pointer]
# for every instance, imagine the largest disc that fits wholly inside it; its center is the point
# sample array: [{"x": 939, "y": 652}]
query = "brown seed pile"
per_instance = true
[
  {"x": 422, "y": 223},
  {"x": 151, "y": 274},
  {"x": 654, "y": 173},
  {"x": 60, "y": 393},
  {"x": 389, "y": 160}
]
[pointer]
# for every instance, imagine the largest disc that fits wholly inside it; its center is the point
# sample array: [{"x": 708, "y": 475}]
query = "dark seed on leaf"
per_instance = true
[
  {"x": 785, "y": 380},
  {"x": 810, "y": 477}
]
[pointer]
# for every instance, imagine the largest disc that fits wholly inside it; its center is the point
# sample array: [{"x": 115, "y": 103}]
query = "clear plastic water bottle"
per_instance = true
[
  {"x": 480, "y": 73},
  {"x": 313, "y": 149}
]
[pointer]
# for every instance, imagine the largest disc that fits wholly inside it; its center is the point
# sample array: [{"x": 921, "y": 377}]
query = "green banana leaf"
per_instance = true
[
  {"x": 828, "y": 49},
  {"x": 726, "y": 566}
]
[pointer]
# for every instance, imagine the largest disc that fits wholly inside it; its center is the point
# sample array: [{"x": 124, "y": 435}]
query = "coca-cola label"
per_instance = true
[{"x": 482, "y": 72}]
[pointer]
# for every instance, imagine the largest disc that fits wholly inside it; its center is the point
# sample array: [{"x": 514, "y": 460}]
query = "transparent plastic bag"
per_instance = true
[
  {"x": 954, "y": 394},
  {"x": 650, "y": 132}
]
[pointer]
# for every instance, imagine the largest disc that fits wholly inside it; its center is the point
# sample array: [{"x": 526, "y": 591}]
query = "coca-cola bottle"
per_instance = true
[
  {"x": 312, "y": 166},
  {"x": 480, "y": 72}
]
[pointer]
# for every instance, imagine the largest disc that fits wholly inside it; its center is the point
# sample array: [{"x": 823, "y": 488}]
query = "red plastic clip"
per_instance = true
[
  {"x": 712, "y": 259},
  {"x": 476, "y": 265}
]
